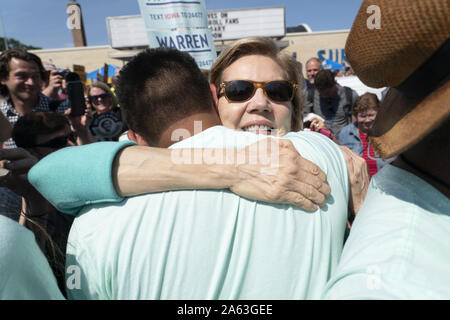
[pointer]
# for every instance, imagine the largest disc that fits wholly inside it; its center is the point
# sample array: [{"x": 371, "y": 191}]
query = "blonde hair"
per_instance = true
[
  {"x": 104, "y": 87},
  {"x": 265, "y": 47}
]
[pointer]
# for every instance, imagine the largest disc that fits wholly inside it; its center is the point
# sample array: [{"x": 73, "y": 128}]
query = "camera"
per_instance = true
[
  {"x": 65, "y": 72},
  {"x": 307, "y": 124}
]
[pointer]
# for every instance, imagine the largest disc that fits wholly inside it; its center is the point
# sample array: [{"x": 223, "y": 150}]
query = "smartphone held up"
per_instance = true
[{"x": 75, "y": 94}]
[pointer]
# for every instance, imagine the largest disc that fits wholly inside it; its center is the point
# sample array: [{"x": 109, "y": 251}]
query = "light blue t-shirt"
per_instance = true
[
  {"x": 212, "y": 244},
  {"x": 399, "y": 244},
  {"x": 24, "y": 271}
]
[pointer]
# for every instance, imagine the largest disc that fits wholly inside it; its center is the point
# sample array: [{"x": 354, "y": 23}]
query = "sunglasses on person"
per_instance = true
[
  {"x": 243, "y": 90},
  {"x": 94, "y": 99},
  {"x": 59, "y": 142}
]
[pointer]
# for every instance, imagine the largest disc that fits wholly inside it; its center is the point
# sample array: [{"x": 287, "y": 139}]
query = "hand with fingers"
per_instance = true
[
  {"x": 358, "y": 177},
  {"x": 55, "y": 80},
  {"x": 80, "y": 125},
  {"x": 15, "y": 164},
  {"x": 283, "y": 176}
]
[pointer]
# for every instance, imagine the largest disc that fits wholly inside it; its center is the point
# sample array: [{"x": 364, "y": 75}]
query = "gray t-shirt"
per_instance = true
[{"x": 336, "y": 111}]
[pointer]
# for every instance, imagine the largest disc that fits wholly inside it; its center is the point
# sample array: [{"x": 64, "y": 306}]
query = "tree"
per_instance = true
[{"x": 15, "y": 44}]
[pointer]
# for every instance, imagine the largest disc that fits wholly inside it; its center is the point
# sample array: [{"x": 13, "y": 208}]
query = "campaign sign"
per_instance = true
[
  {"x": 199, "y": 43},
  {"x": 167, "y": 14},
  {"x": 180, "y": 24},
  {"x": 106, "y": 125}
]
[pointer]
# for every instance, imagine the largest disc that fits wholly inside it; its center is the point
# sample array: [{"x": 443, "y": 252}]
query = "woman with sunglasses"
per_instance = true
[
  {"x": 259, "y": 90},
  {"x": 106, "y": 122},
  {"x": 241, "y": 71},
  {"x": 100, "y": 98}
]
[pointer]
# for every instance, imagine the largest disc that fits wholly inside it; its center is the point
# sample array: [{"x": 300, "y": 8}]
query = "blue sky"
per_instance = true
[{"x": 42, "y": 23}]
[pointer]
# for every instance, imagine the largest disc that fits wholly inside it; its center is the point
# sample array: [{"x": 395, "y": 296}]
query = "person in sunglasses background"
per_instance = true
[
  {"x": 105, "y": 121},
  {"x": 37, "y": 134}
]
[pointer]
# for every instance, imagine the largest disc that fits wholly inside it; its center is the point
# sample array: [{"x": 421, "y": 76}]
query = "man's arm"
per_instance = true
[
  {"x": 288, "y": 178},
  {"x": 73, "y": 177},
  {"x": 54, "y": 84},
  {"x": 358, "y": 178}
]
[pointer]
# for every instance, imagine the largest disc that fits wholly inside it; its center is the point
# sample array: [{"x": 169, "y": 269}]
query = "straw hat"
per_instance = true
[{"x": 403, "y": 44}]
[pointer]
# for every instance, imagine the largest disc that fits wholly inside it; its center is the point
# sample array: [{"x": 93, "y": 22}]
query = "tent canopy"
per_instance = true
[
  {"x": 111, "y": 72},
  {"x": 94, "y": 75}
]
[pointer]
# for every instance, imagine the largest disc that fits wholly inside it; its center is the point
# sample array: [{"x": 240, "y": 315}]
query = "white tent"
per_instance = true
[{"x": 356, "y": 84}]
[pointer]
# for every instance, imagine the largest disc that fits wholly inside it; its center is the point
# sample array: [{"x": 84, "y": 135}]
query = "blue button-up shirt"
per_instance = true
[{"x": 349, "y": 137}]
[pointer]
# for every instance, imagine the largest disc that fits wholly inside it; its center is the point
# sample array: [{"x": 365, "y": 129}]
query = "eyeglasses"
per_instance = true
[
  {"x": 243, "y": 90},
  {"x": 94, "y": 99},
  {"x": 59, "y": 142}
]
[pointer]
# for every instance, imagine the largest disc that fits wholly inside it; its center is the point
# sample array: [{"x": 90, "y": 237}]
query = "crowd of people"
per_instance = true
[{"x": 246, "y": 181}]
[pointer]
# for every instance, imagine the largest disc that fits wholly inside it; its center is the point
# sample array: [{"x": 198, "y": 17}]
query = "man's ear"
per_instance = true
[
  {"x": 132, "y": 135},
  {"x": 214, "y": 96},
  {"x": 136, "y": 137}
]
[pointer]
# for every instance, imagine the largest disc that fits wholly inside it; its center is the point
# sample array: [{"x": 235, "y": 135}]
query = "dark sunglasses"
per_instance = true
[
  {"x": 59, "y": 142},
  {"x": 95, "y": 98},
  {"x": 243, "y": 90}
]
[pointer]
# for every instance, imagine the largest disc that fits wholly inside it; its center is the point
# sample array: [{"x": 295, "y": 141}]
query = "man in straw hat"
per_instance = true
[{"x": 399, "y": 246}]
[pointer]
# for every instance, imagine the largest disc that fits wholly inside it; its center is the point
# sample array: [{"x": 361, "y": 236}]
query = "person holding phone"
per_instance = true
[{"x": 52, "y": 84}]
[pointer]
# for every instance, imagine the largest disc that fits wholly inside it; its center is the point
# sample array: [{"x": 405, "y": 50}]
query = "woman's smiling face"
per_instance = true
[{"x": 259, "y": 114}]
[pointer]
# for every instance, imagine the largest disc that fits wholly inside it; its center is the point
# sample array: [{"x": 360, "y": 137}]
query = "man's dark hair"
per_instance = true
[
  {"x": 6, "y": 57},
  {"x": 28, "y": 127},
  {"x": 159, "y": 87},
  {"x": 324, "y": 79}
]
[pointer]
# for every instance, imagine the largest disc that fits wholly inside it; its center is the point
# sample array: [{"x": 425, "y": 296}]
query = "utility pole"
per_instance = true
[{"x": 5, "y": 39}]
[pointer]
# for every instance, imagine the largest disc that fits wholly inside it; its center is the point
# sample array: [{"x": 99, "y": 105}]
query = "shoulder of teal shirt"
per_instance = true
[{"x": 73, "y": 177}]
